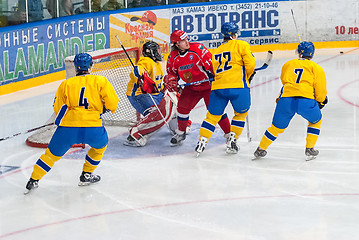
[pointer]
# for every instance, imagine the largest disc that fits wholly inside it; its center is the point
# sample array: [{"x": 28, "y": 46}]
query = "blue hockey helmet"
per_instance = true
[
  {"x": 228, "y": 29},
  {"x": 83, "y": 62},
  {"x": 306, "y": 49}
]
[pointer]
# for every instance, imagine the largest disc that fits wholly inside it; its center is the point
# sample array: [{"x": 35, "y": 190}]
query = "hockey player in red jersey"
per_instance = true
[{"x": 190, "y": 62}]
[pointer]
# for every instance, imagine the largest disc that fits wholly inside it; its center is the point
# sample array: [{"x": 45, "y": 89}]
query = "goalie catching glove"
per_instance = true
[
  {"x": 322, "y": 104},
  {"x": 146, "y": 84}
]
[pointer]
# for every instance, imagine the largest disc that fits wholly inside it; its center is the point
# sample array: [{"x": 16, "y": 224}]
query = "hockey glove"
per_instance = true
[
  {"x": 251, "y": 77},
  {"x": 170, "y": 83},
  {"x": 322, "y": 104},
  {"x": 147, "y": 85}
]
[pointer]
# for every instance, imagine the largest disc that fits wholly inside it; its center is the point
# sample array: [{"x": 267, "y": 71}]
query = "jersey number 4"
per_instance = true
[
  {"x": 82, "y": 100},
  {"x": 299, "y": 73},
  {"x": 227, "y": 58}
]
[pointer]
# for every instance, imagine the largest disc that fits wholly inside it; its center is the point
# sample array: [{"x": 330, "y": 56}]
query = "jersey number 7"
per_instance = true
[
  {"x": 227, "y": 58},
  {"x": 299, "y": 73}
]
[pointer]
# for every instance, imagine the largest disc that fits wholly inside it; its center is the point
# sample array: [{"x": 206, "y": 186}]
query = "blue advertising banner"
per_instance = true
[
  {"x": 30, "y": 50},
  {"x": 258, "y": 21}
]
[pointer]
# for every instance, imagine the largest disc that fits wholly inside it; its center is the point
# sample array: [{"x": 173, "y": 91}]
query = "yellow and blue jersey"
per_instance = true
[
  {"x": 303, "y": 78},
  {"x": 79, "y": 101},
  {"x": 154, "y": 70},
  {"x": 233, "y": 63}
]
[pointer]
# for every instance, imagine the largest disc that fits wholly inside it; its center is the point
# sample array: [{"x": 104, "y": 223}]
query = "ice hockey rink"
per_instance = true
[{"x": 162, "y": 192}]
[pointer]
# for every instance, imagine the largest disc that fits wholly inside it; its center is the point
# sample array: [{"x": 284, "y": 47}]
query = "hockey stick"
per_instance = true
[
  {"x": 264, "y": 66},
  {"x": 249, "y": 138},
  {"x": 266, "y": 62},
  {"x": 28, "y": 131},
  {"x": 193, "y": 83},
  {"x": 118, "y": 39},
  {"x": 296, "y": 27}
]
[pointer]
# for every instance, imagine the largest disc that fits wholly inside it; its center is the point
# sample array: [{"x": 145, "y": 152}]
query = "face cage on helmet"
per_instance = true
[{"x": 153, "y": 54}]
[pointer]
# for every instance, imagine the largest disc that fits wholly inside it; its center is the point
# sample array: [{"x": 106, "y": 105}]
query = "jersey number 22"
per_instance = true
[{"x": 227, "y": 58}]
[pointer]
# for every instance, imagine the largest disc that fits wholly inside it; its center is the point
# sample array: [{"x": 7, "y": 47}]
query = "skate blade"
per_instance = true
[
  {"x": 197, "y": 154},
  {"x": 27, "y": 191},
  {"x": 256, "y": 158},
  {"x": 231, "y": 151},
  {"x": 310, "y": 158},
  {"x": 131, "y": 144},
  {"x": 81, "y": 184},
  {"x": 176, "y": 144}
]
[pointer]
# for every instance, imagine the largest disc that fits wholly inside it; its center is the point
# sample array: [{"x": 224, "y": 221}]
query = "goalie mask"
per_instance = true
[
  {"x": 83, "y": 62},
  {"x": 152, "y": 50}
]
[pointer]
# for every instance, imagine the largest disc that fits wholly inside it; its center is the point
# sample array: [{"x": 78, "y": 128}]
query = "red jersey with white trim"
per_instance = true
[{"x": 192, "y": 66}]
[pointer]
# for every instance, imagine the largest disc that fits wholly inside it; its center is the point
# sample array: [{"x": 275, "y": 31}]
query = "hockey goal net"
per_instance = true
[{"x": 116, "y": 67}]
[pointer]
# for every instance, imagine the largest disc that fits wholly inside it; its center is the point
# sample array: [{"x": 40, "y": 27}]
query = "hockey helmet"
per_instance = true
[
  {"x": 178, "y": 35},
  {"x": 306, "y": 49},
  {"x": 228, "y": 29},
  {"x": 83, "y": 62},
  {"x": 152, "y": 50}
]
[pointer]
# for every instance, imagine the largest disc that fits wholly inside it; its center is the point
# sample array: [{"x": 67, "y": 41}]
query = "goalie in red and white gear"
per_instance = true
[
  {"x": 190, "y": 62},
  {"x": 146, "y": 94}
]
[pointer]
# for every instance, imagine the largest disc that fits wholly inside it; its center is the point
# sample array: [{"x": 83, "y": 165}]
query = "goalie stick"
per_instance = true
[
  {"x": 28, "y": 131},
  {"x": 264, "y": 66}
]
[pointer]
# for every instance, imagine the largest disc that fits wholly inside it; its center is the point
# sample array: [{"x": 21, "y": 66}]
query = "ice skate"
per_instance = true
[
  {"x": 178, "y": 137},
  {"x": 259, "y": 153},
  {"x": 232, "y": 147},
  {"x": 311, "y": 153},
  {"x": 133, "y": 142},
  {"x": 31, "y": 184},
  {"x": 201, "y": 145},
  {"x": 88, "y": 178}
]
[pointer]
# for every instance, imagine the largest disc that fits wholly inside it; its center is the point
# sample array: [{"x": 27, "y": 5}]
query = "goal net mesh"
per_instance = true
[{"x": 116, "y": 66}]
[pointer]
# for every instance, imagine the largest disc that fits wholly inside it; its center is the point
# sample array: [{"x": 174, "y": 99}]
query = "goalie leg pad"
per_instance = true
[
  {"x": 153, "y": 121},
  {"x": 143, "y": 102}
]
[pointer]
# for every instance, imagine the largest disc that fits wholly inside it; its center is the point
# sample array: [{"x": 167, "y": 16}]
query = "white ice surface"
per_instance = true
[{"x": 160, "y": 192}]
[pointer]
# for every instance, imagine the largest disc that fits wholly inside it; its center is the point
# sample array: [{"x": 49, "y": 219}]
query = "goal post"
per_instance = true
[{"x": 116, "y": 67}]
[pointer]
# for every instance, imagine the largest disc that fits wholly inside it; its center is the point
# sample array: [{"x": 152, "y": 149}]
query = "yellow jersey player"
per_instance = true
[
  {"x": 79, "y": 103},
  {"x": 304, "y": 92},
  {"x": 233, "y": 64},
  {"x": 146, "y": 93},
  {"x": 146, "y": 77}
]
